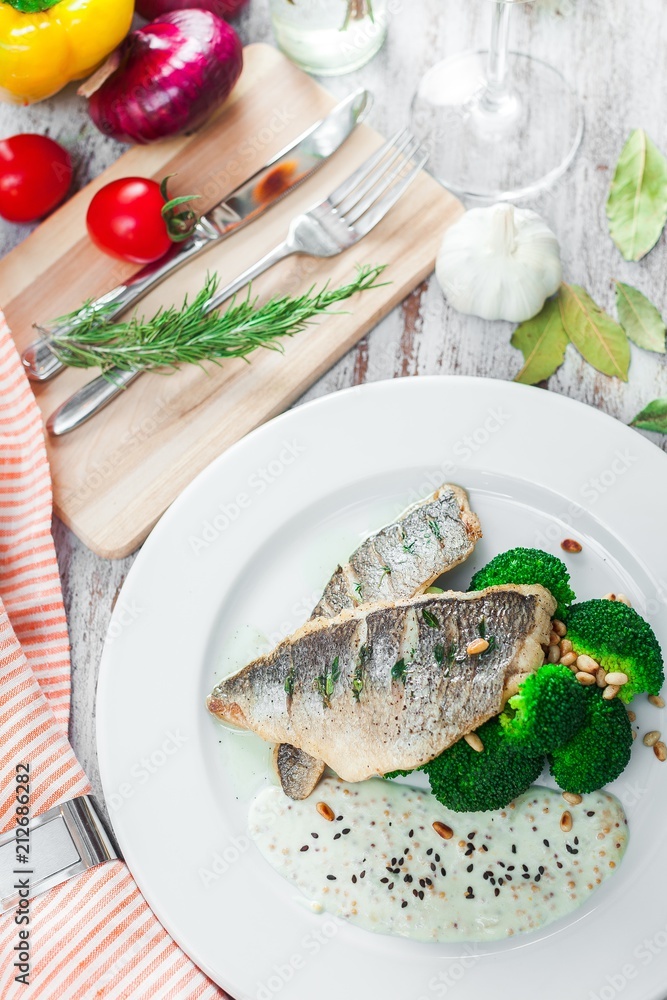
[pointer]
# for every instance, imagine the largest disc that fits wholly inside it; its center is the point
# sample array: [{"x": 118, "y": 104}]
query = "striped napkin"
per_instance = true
[{"x": 94, "y": 936}]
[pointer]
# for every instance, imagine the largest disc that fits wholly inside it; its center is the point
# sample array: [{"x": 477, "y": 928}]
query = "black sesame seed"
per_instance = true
[
  {"x": 541, "y": 869},
  {"x": 404, "y": 903},
  {"x": 570, "y": 849},
  {"x": 408, "y": 878},
  {"x": 354, "y": 878},
  {"x": 525, "y": 867},
  {"x": 362, "y": 874},
  {"x": 393, "y": 861},
  {"x": 513, "y": 848},
  {"x": 496, "y": 892},
  {"x": 390, "y": 886},
  {"x": 591, "y": 813},
  {"x": 336, "y": 836},
  {"x": 415, "y": 892},
  {"x": 429, "y": 852},
  {"x": 558, "y": 864},
  {"x": 345, "y": 831},
  {"x": 502, "y": 864},
  {"x": 338, "y": 818},
  {"x": 576, "y": 840},
  {"x": 501, "y": 881},
  {"x": 385, "y": 880},
  {"x": 485, "y": 848},
  {"x": 537, "y": 878},
  {"x": 305, "y": 847},
  {"x": 428, "y": 881},
  {"x": 332, "y": 878},
  {"x": 471, "y": 836},
  {"x": 510, "y": 868},
  {"x": 525, "y": 875},
  {"x": 411, "y": 834},
  {"x": 470, "y": 868},
  {"x": 437, "y": 858},
  {"x": 443, "y": 871},
  {"x": 508, "y": 878},
  {"x": 400, "y": 861},
  {"x": 315, "y": 835},
  {"x": 422, "y": 882},
  {"x": 546, "y": 843},
  {"x": 421, "y": 893},
  {"x": 433, "y": 866}
]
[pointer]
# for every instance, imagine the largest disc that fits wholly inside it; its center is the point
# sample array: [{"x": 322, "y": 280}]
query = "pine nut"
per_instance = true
[
  {"x": 477, "y": 646},
  {"x": 559, "y": 627},
  {"x": 473, "y": 741},
  {"x": 443, "y": 830},
  {"x": 565, "y": 647},
  {"x": 660, "y": 750},
  {"x": 553, "y": 654},
  {"x": 634, "y": 734},
  {"x": 566, "y": 822},
  {"x": 651, "y": 738},
  {"x": 632, "y": 716},
  {"x": 554, "y": 639},
  {"x": 570, "y": 545},
  {"x": 656, "y": 700},
  {"x": 617, "y": 677},
  {"x": 610, "y": 692},
  {"x": 325, "y": 811},
  {"x": 568, "y": 659},
  {"x": 572, "y": 798},
  {"x": 609, "y": 597},
  {"x": 587, "y": 663},
  {"x": 623, "y": 599},
  {"x": 600, "y": 678},
  {"x": 585, "y": 678}
]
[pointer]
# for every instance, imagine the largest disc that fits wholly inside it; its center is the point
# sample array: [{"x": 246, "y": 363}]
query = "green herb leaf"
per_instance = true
[
  {"x": 637, "y": 202},
  {"x": 434, "y": 590},
  {"x": 640, "y": 319},
  {"x": 542, "y": 341},
  {"x": 190, "y": 334},
  {"x": 435, "y": 528},
  {"x": 653, "y": 417},
  {"x": 398, "y": 671},
  {"x": 597, "y": 337},
  {"x": 335, "y": 670},
  {"x": 439, "y": 653},
  {"x": 451, "y": 653},
  {"x": 409, "y": 547},
  {"x": 492, "y": 645},
  {"x": 430, "y": 619},
  {"x": 289, "y": 682},
  {"x": 481, "y": 628},
  {"x": 359, "y": 591}
]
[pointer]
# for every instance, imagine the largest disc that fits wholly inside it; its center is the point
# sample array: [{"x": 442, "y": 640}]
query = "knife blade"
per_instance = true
[{"x": 281, "y": 175}]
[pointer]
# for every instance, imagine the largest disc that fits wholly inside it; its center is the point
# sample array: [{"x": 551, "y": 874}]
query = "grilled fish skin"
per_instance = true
[
  {"x": 388, "y": 687},
  {"x": 405, "y": 557},
  {"x": 399, "y": 561}
]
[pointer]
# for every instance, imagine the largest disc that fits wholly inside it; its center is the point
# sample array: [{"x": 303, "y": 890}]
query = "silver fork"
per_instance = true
[{"x": 348, "y": 214}]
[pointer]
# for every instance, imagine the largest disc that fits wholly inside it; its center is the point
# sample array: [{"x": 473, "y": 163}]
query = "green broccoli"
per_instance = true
[
  {"x": 528, "y": 566},
  {"x": 599, "y": 751},
  {"x": 620, "y": 640},
  {"x": 547, "y": 711},
  {"x": 467, "y": 780}
]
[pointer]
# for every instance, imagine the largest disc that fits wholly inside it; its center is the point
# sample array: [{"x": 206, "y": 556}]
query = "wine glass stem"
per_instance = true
[{"x": 496, "y": 73}]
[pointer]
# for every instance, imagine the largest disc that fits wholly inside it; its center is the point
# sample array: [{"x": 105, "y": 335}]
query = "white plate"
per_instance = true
[{"x": 241, "y": 557}]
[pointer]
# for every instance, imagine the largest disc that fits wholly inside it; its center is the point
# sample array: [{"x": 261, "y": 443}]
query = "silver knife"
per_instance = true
[{"x": 289, "y": 168}]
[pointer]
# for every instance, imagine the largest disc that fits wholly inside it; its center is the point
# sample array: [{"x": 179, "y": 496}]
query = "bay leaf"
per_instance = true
[
  {"x": 653, "y": 417},
  {"x": 598, "y": 338},
  {"x": 542, "y": 341},
  {"x": 640, "y": 319},
  {"x": 637, "y": 202}
]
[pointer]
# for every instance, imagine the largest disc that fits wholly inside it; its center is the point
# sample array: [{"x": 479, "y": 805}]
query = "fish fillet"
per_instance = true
[
  {"x": 386, "y": 687},
  {"x": 399, "y": 561}
]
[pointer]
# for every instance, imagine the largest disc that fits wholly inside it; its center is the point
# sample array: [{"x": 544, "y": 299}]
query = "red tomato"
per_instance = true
[
  {"x": 125, "y": 220},
  {"x": 35, "y": 175}
]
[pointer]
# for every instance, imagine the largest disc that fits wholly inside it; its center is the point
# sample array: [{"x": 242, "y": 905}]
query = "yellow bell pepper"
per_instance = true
[{"x": 44, "y": 45}]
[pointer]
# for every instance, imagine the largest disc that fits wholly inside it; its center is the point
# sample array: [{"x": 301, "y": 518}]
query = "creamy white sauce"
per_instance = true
[{"x": 525, "y": 872}]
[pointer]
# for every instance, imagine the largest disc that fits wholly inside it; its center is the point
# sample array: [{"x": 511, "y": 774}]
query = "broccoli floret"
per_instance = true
[
  {"x": 547, "y": 711},
  {"x": 599, "y": 751},
  {"x": 467, "y": 780},
  {"x": 620, "y": 640},
  {"x": 528, "y": 566}
]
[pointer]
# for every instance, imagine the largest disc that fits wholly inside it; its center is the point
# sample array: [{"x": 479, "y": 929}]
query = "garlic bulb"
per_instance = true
[{"x": 500, "y": 262}]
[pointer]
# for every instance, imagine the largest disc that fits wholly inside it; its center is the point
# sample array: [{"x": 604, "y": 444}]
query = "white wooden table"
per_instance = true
[{"x": 616, "y": 58}]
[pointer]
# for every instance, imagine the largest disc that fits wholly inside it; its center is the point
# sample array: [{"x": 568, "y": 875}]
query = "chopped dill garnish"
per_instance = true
[{"x": 430, "y": 619}]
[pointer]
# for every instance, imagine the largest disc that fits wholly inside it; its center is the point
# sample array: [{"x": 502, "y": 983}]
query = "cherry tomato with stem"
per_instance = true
[
  {"x": 35, "y": 176},
  {"x": 134, "y": 219}
]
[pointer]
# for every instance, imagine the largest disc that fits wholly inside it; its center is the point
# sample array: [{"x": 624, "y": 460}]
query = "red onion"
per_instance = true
[
  {"x": 155, "y": 8},
  {"x": 165, "y": 78}
]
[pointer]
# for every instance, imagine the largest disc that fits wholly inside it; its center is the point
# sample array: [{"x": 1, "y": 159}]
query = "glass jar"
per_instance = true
[{"x": 329, "y": 37}]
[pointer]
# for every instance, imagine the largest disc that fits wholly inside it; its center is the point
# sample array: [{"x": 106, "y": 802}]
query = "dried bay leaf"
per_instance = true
[
  {"x": 598, "y": 338},
  {"x": 637, "y": 202},
  {"x": 542, "y": 341},
  {"x": 653, "y": 417},
  {"x": 640, "y": 319}
]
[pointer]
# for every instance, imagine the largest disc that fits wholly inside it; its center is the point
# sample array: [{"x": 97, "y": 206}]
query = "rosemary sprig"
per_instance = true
[{"x": 190, "y": 334}]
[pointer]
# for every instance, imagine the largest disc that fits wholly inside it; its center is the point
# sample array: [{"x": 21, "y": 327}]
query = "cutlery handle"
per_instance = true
[
  {"x": 95, "y": 395},
  {"x": 40, "y": 362},
  {"x": 89, "y": 400}
]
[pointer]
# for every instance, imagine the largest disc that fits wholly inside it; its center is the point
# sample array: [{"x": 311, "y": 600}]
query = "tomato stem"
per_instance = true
[{"x": 179, "y": 224}]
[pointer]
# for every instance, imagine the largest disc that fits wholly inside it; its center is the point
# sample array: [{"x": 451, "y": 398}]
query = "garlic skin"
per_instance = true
[{"x": 500, "y": 262}]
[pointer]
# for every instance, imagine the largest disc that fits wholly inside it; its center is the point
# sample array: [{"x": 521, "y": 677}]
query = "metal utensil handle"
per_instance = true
[
  {"x": 95, "y": 395},
  {"x": 39, "y": 360},
  {"x": 89, "y": 400}
]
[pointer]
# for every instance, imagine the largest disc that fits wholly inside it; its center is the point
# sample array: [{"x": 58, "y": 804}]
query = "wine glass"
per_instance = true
[{"x": 499, "y": 124}]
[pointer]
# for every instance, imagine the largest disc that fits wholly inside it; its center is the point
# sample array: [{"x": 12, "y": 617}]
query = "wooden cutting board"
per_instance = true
[{"x": 115, "y": 476}]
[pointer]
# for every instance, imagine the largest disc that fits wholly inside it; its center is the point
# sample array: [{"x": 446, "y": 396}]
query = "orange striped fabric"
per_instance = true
[{"x": 95, "y": 936}]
